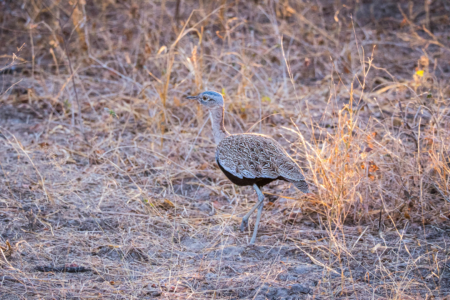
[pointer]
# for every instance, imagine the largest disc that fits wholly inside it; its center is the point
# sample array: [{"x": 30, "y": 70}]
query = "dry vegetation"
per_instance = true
[{"x": 109, "y": 188}]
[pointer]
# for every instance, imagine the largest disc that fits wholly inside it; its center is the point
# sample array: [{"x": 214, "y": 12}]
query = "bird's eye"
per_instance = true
[{"x": 205, "y": 98}]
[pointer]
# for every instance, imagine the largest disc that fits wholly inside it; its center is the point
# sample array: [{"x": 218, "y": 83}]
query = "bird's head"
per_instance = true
[{"x": 209, "y": 99}]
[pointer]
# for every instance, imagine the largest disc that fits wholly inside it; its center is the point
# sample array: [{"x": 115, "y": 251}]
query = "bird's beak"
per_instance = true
[{"x": 192, "y": 97}]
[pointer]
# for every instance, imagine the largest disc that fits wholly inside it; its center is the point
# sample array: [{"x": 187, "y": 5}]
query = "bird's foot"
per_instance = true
[{"x": 244, "y": 225}]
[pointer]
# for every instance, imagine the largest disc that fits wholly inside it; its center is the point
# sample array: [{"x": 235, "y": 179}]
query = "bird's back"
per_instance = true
[{"x": 256, "y": 156}]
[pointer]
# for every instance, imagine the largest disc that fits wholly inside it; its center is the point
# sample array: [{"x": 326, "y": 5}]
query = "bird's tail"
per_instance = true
[{"x": 301, "y": 185}]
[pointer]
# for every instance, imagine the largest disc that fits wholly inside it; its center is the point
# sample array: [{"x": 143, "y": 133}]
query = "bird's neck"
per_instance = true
[{"x": 218, "y": 127}]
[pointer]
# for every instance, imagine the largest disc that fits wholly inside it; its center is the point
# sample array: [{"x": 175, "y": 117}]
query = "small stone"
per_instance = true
[
  {"x": 286, "y": 277},
  {"x": 277, "y": 293},
  {"x": 299, "y": 289},
  {"x": 302, "y": 269}
]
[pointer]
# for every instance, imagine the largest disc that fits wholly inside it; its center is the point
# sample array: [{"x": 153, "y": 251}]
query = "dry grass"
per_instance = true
[{"x": 105, "y": 166}]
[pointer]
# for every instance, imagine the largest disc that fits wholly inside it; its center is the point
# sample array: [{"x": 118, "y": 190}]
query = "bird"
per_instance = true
[{"x": 249, "y": 159}]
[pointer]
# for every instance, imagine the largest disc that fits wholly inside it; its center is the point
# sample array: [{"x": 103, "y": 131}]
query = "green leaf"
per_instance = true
[
  {"x": 67, "y": 104},
  {"x": 266, "y": 99},
  {"x": 111, "y": 112}
]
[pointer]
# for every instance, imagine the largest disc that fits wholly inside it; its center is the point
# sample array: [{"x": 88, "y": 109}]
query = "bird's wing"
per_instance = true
[
  {"x": 289, "y": 169},
  {"x": 256, "y": 156}
]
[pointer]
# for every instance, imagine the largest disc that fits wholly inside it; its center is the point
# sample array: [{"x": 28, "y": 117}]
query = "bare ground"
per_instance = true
[{"x": 110, "y": 190}]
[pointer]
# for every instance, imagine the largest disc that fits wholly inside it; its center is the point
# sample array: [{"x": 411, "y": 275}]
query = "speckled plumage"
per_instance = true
[
  {"x": 248, "y": 158},
  {"x": 256, "y": 156}
]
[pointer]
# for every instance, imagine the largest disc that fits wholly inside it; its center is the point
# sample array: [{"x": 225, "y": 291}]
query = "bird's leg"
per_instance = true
[
  {"x": 244, "y": 223},
  {"x": 258, "y": 217}
]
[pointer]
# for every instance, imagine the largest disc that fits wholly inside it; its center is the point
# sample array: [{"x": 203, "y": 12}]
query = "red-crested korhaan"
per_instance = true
[{"x": 249, "y": 158}]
